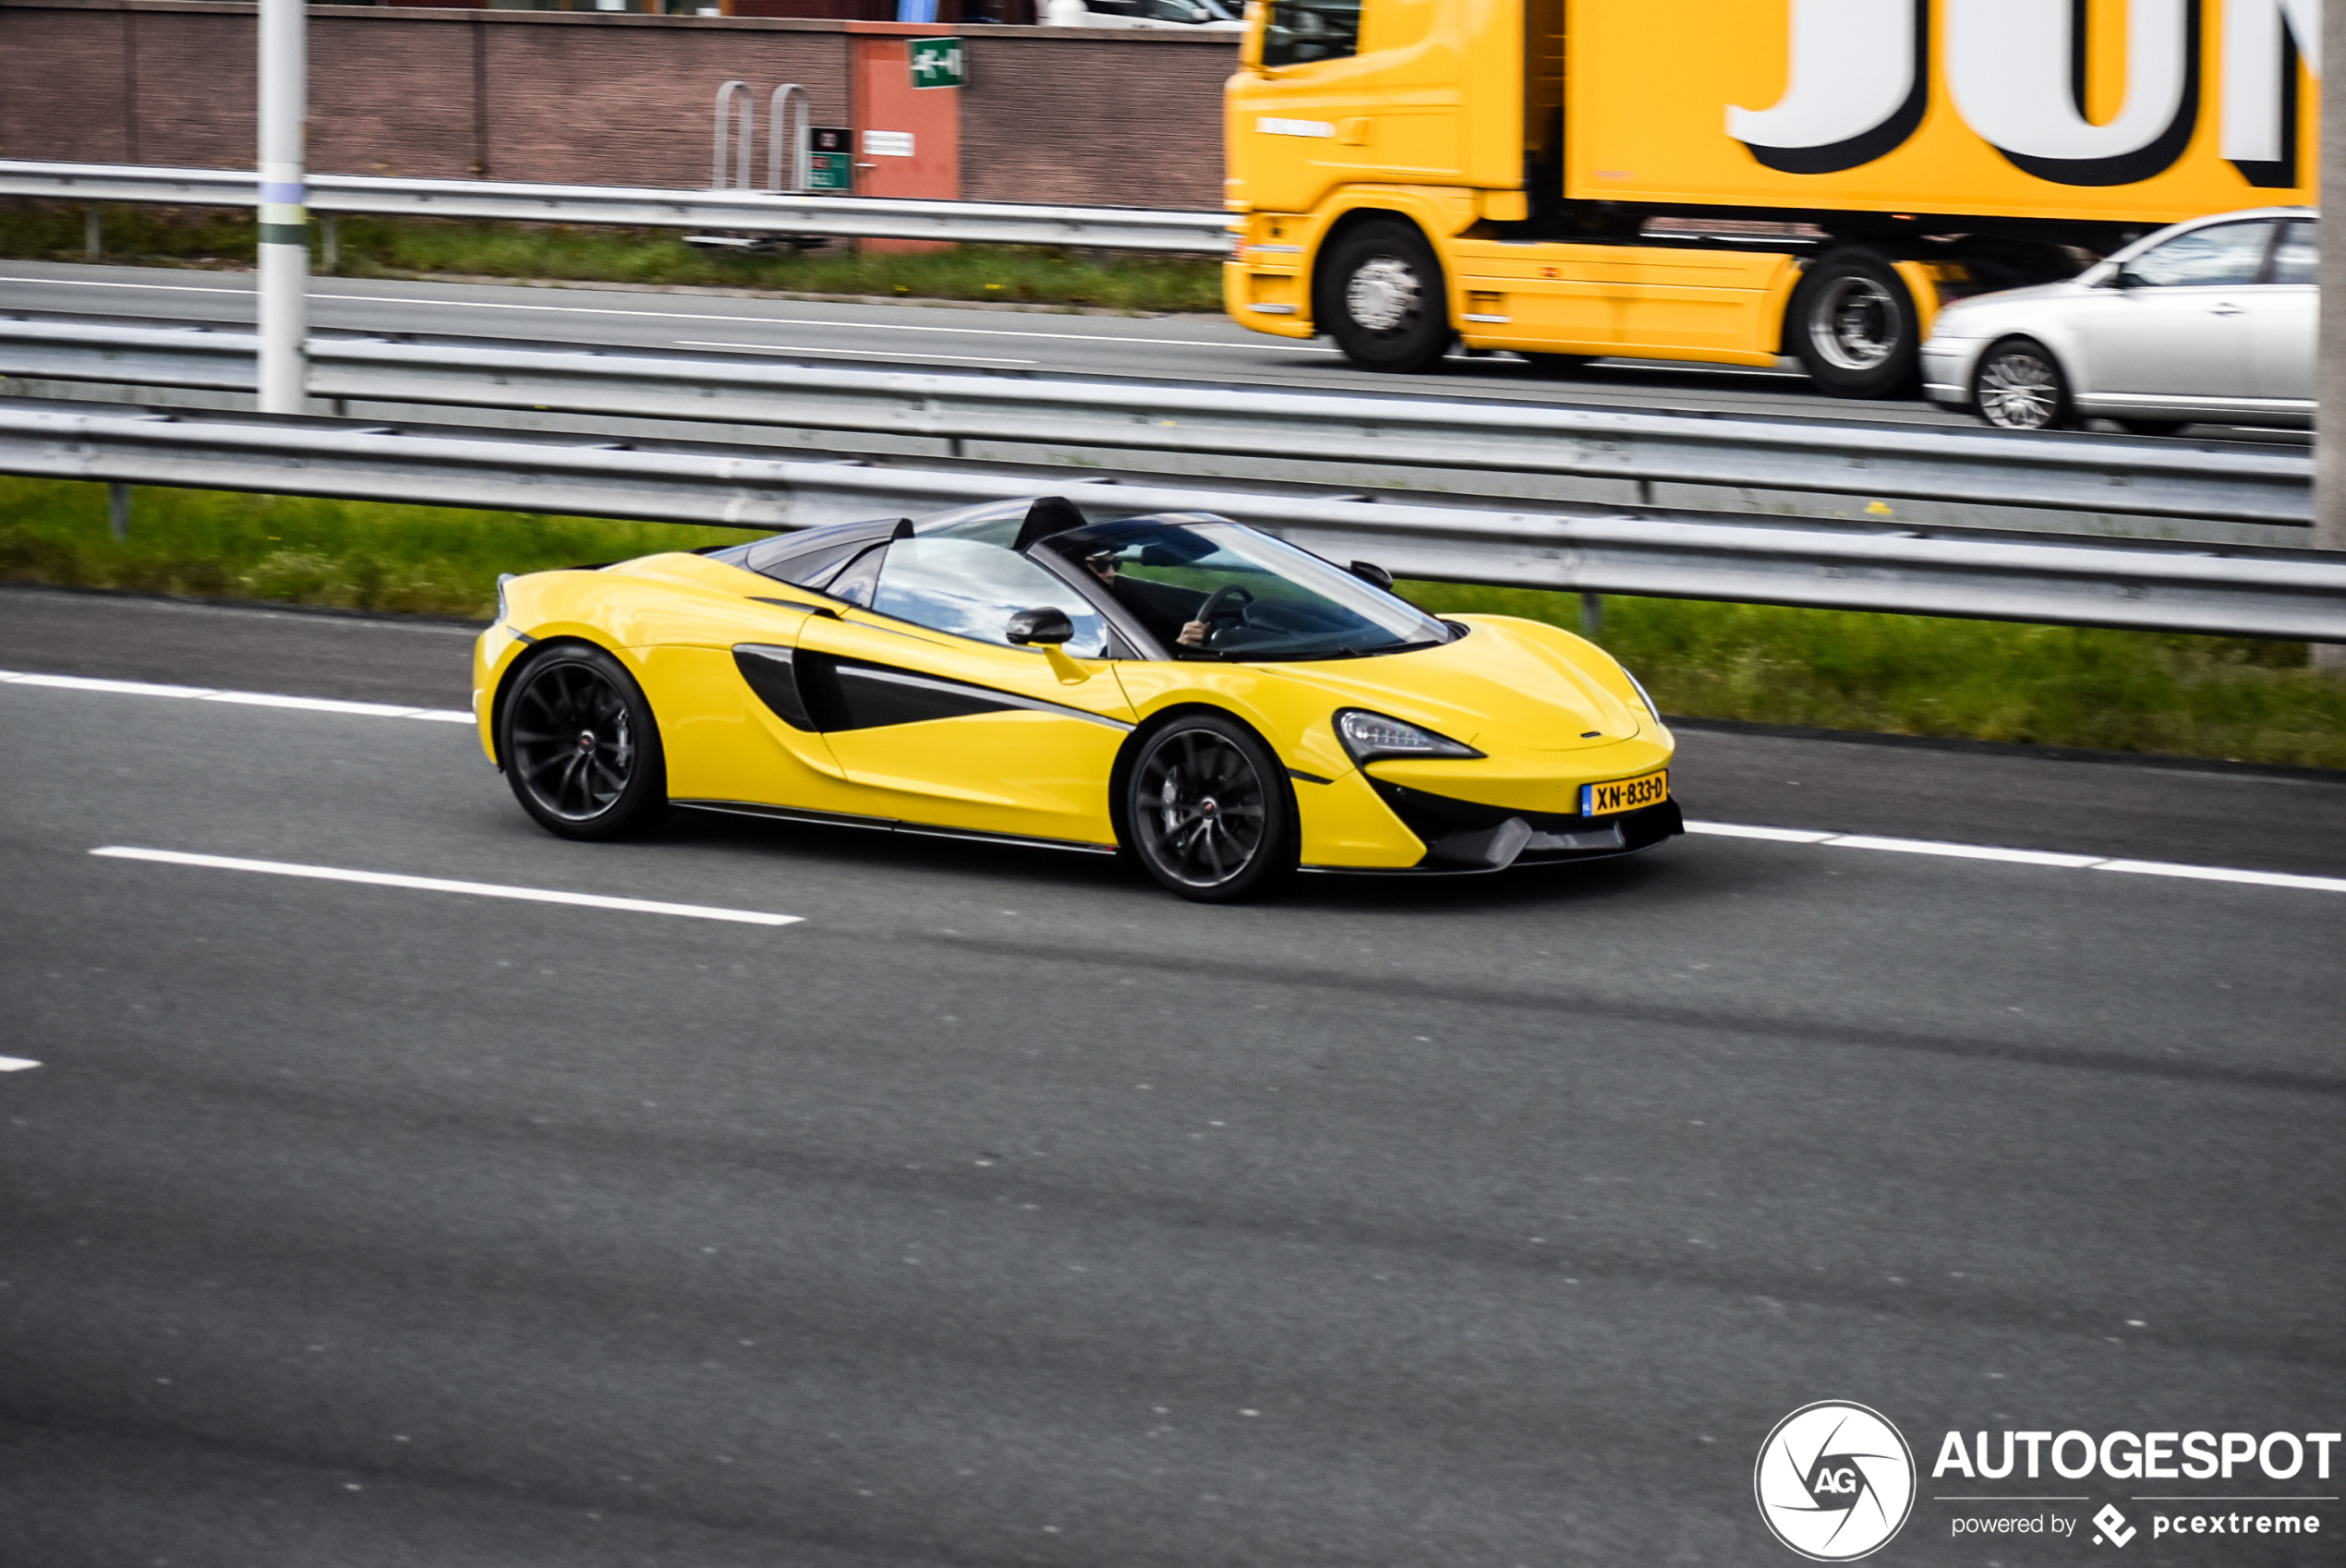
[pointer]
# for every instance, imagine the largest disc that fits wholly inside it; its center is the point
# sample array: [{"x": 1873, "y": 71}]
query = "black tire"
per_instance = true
[
  {"x": 1208, "y": 811},
  {"x": 1383, "y": 298},
  {"x": 580, "y": 747},
  {"x": 1555, "y": 367},
  {"x": 2150, "y": 426},
  {"x": 1851, "y": 325},
  {"x": 2019, "y": 386}
]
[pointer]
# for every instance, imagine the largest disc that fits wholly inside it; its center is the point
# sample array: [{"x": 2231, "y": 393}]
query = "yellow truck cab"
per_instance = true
[{"x": 1731, "y": 180}]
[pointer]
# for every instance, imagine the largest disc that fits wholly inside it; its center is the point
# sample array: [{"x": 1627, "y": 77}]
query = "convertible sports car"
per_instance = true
[{"x": 1222, "y": 705}]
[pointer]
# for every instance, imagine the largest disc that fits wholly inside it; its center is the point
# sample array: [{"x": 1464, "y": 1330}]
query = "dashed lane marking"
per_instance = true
[
  {"x": 444, "y": 884},
  {"x": 2023, "y": 857},
  {"x": 247, "y": 699},
  {"x": 1718, "y": 829}
]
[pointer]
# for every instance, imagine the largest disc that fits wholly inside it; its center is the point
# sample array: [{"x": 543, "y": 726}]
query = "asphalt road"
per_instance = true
[
  {"x": 1006, "y": 1211},
  {"x": 933, "y": 335}
]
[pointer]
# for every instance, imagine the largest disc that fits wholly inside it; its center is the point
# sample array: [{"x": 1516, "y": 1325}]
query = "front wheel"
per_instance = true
[
  {"x": 1852, "y": 326},
  {"x": 579, "y": 745},
  {"x": 1206, "y": 810},
  {"x": 2019, "y": 387},
  {"x": 1384, "y": 299}
]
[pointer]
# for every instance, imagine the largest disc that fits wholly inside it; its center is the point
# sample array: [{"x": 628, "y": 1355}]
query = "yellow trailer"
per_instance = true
[{"x": 1731, "y": 180}]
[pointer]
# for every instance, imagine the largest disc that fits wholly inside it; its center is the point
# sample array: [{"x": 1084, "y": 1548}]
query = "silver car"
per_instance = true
[{"x": 2209, "y": 320}]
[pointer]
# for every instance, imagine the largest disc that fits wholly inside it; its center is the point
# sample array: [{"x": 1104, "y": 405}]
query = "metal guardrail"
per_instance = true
[
  {"x": 2242, "y": 591},
  {"x": 835, "y": 217},
  {"x": 2075, "y": 473}
]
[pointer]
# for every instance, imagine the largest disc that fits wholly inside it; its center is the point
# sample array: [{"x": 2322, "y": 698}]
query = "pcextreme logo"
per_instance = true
[{"x": 1834, "y": 1481}]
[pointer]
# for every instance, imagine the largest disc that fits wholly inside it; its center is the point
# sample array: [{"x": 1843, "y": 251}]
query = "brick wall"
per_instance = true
[{"x": 1079, "y": 115}]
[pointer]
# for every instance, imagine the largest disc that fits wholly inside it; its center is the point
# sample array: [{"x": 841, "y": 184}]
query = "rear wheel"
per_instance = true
[
  {"x": 1383, "y": 300},
  {"x": 1206, "y": 810},
  {"x": 1853, "y": 327},
  {"x": 579, "y": 745},
  {"x": 2019, "y": 387}
]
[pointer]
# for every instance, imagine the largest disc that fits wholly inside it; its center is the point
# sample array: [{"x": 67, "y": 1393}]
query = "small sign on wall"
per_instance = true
[
  {"x": 887, "y": 144},
  {"x": 937, "y": 62},
  {"x": 830, "y": 158}
]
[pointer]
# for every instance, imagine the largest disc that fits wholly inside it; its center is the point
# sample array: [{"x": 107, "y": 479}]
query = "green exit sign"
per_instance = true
[{"x": 937, "y": 62}]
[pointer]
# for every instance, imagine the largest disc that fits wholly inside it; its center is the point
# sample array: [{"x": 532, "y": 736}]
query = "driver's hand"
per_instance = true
[{"x": 1192, "y": 636}]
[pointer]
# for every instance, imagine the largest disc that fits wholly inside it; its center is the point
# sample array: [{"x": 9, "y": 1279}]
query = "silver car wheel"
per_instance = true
[
  {"x": 1854, "y": 326},
  {"x": 2018, "y": 391},
  {"x": 1381, "y": 292}
]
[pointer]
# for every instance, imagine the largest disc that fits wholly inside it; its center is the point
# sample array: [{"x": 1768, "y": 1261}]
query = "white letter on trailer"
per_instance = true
[
  {"x": 2258, "y": 124},
  {"x": 1855, "y": 88},
  {"x": 2009, "y": 67}
]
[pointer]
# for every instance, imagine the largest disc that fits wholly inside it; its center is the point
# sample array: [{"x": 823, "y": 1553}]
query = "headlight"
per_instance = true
[
  {"x": 1643, "y": 695},
  {"x": 1371, "y": 735}
]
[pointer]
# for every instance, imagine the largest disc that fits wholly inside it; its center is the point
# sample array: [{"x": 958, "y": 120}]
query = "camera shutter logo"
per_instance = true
[{"x": 1834, "y": 1481}]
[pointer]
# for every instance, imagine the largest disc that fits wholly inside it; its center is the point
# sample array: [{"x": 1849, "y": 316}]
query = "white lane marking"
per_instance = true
[
  {"x": 16, "y": 1064},
  {"x": 2225, "y": 874},
  {"x": 1961, "y": 851},
  {"x": 857, "y": 352},
  {"x": 250, "y": 699},
  {"x": 1252, "y": 341},
  {"x": 1718, "y": 829},
  {"x": 442, "y": 884},
  {"x": 2023, "y": 857},
  {"x": 1739, "y": 830}
]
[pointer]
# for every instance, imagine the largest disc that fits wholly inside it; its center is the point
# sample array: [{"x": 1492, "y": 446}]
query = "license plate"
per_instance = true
[{"x": 1623, "y": 795}]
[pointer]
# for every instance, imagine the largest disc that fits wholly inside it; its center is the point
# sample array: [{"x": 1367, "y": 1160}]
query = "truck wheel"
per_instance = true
[
  {"x": 1853, "y": 327},
  {"x": 1386, "y": 304}
]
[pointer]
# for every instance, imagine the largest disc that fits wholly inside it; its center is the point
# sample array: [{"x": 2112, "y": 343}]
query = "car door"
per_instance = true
[
  {"x": 2169, "y": 337},
  {"x": 2283, "y": 316},
  {"x": 939, "y": 719}
]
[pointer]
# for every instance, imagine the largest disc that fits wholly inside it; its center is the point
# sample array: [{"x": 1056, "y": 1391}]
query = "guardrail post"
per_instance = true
[
  {"x": 93, "y": 233},
  {"x": 285, "y": 220},
  {"x": 330, "y": 243},
  {"x": 1591, "y": 616},
  {"x": 118, "y": 511},
  {"x": 2330, "y": 440}
]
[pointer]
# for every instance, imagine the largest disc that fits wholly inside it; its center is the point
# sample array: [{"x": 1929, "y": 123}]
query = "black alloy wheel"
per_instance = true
[
  {"x": 579, "y": 745},
  {"x": 1852, "y": 326},
  {"x": 1207, "y": 810},
  {"x": 1383, "y": 298},
  {"x": 2019, "y": 387}
]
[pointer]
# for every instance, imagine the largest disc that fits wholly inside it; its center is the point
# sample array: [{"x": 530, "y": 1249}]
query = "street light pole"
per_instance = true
[{"x": 285, "y": 220}]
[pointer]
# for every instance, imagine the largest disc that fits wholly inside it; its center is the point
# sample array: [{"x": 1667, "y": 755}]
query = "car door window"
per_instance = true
[
  {"x": 2297, "y": 255},
  {"x": 2219, "y": 255},
  {"x": 972, "y": 588}
]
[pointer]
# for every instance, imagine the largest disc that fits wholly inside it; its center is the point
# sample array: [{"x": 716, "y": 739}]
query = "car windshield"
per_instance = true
[{"x": 1211, "y": 589}]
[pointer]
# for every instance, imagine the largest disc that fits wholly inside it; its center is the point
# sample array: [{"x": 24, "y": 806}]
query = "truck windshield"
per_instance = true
[
  {"x": 1299, "y": 32},
  {"x": 1206, "y": 588}
]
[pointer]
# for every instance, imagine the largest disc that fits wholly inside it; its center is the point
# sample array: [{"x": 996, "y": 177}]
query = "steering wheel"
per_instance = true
[{"x": 1224, "y": 604}]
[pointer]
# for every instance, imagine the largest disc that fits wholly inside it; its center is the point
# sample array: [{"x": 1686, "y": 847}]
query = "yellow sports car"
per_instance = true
[{"x": 1220, "y": 704}]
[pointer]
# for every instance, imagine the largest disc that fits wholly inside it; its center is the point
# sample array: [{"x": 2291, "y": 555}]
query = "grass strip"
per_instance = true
[
  {"x": 2243, "y": 699},
  {"x": 141, "y": 235}
]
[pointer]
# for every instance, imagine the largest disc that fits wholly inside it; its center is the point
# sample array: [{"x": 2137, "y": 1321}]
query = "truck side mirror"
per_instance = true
[
  {"x": 1250, "y": 41},
  {"x": 1370, "y": 572},
  {"x": 1048, "y": 625}
]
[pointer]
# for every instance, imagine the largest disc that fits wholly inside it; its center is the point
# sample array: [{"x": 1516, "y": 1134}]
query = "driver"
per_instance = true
[{"x": 1105, "y": 566}]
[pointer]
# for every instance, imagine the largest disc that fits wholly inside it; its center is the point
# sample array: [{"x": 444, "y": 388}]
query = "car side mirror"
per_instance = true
[
  {"x": 1047, "y": 626},
  {"x": 2124, "y": 278},
  {"x": 1370, "y": 572}
]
